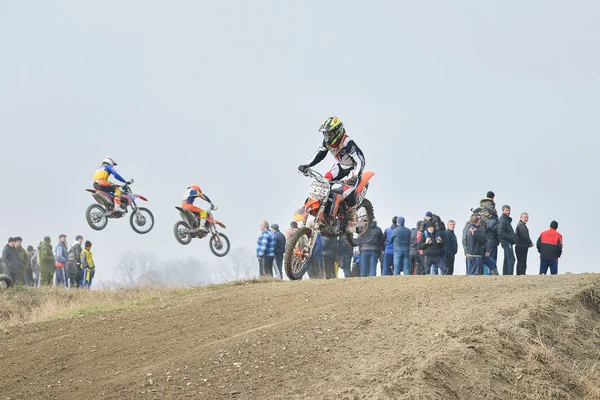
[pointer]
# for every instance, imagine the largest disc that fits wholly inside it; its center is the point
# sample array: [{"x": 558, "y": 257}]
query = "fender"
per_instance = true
[
  {"x": 139, "y": 196},
  {"x": 310, "y": 206},
  {"x": 214, "y": 221},
  {"x": 101, "y": 197},
  {"x": 186, "y": 217},
  {"x": 365, "y": 177}
]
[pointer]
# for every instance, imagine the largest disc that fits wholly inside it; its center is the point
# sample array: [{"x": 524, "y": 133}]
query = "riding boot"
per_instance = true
[
  {"x": 350, "y": 217},
  {"x": 202, "y": 222}
]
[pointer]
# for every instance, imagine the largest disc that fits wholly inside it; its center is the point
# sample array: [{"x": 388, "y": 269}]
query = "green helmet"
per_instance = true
[{"x": 333, "y": 133}]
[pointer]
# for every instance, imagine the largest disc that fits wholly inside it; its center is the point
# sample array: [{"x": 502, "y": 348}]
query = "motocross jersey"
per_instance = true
[
  {"x": 192, "y": 194},
  {"x": 104, "y": 172},
  {"x": 350, "y": 158}
]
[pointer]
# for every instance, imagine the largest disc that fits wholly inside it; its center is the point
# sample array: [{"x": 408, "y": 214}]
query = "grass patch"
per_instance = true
[{"x": 21, "y": 305}]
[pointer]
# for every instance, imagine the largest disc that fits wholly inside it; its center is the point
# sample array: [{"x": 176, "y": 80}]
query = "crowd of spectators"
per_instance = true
[
  {"x": 61, "y": 266},
  {"x": 429, "y": 248}
]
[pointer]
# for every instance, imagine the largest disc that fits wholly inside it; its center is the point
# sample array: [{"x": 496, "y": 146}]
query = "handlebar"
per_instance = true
[{"x": 311, "y": 173}]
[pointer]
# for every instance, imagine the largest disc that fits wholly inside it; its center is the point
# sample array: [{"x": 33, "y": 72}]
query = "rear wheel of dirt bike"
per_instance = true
[
  {"x": 219, "y": 244},
  {"x": 95, "y": 217},
  {"x": 181, "y": 232},
  {"x": 141, "y": 220},
  {"x": 5, "y": 281},
  {"x": 298, "y": 254},
  {"x": 362, "y": 223}
]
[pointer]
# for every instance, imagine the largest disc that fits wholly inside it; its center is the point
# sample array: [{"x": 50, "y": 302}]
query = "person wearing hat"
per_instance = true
[
  {"x": 46, "y": 263},
  {"x": 23, "y": 260},
  {"x": 279, "y": 249},
  {"x": 10, "y": 257},
  {"x": 414, "y": 261},
  {"x": 88, "y": 266},
  {"x": 401, "y": 242},
  {"x": 29, "y": 282},
  {"x": 433, "y": 247}
]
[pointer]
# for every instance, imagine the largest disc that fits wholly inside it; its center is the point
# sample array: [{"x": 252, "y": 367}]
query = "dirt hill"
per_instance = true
[{"x": 534, "y": 337}]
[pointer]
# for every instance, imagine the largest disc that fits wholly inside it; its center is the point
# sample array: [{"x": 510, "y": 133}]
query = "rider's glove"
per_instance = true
[
  {"x": 213, "y": 207},
  {"x": 303, "y": 168},
  {"x": 129, "y": 182}
]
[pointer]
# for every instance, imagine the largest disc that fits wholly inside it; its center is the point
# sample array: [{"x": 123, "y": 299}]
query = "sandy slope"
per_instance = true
[{"x": 386, "y": 338}]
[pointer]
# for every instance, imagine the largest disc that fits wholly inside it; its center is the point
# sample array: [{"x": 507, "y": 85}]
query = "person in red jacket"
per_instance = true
[{"x": 550, "y": 245}]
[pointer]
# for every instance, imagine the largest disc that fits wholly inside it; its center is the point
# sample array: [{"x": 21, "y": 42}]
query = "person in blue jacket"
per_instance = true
[
  {"x": 387, "y": 265},
  {"x": 401, "y": 243}
]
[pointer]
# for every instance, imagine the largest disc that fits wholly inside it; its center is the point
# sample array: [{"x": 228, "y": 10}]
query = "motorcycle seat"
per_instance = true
[{"x": 337, "y": 189}]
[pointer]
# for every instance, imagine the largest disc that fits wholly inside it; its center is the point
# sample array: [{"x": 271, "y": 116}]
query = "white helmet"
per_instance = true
[{"x": 108, "y": 160}]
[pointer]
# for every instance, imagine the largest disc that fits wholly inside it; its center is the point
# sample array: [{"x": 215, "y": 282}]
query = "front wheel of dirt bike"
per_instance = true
[
  {"x": 95, "y": 217},
  {"x": 141, "y": 220},
  {"x": 298, "y": 254},
  {"x": 181, "y": 232},
  {"x": 5, "y": 281},
  {"x": 219, "y": 244},
  {"x": 362, "y": 222}
]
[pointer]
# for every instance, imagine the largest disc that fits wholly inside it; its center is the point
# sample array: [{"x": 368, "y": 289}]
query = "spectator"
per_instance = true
[
  {"x": 315, "y": 268},
  {"x": 23, "y": 260},
  {"x": 279, "y": 249},
  {"x": 413, "y": 259},
  {"x": 10, "y": 257},
  {"x": 523, "y": 244},
  {"x": 490, "y": 216},
  {"x": 476, "y": 240},
  {"x": 29, "y": 281},
  {"x": 550, "y": 245},
  {"x": 35, "y": 266},
  {"x": 331, "y": 252},
  {"x": 356, "y": 263},
  {"x": 72, "y": 270},
  {"x": 88, "y": 266},
  {"x": 401, "y": 241},
  {"x": 432, "y": 246},
  {"x": 265, "y": 250},
  {"x": 507, "y": 238},
  {"x": 371, "y": 247},
  {"x": 388, "y": 256},
  {"x": 465, "y": 244},
  {"x": 451, "y": 247},
  {"x": 46, "y": 262},
  {"x": 61, "y": 261},
  {"x": 76, "y": 251},
  {"x": 346, "y": 254},
  {"x": 420, "y": 251},
  {"x": 291, "y": 230}
]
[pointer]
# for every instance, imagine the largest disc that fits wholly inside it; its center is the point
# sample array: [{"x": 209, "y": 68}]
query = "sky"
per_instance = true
[{"x": 446, "y": 99}]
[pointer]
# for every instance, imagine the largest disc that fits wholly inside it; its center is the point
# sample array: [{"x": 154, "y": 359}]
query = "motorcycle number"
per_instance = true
[{"x": 319, "y": 191}]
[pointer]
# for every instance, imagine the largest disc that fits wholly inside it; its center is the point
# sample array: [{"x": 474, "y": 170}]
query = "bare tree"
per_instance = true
[
  {"x": 243, "y": 263},
  {"x": 132, "y": 266}
]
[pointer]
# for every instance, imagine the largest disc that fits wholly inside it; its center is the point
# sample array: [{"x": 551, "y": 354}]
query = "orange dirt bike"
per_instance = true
[
  {"x": 97, "y": 215},
  {"x": 326, "y": 204},
  {"x": 189, "y": 228}
]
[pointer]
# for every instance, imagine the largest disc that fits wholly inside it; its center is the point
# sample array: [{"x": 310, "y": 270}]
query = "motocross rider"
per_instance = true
[
  {"x": 101, "y": 181},
  {"x": 350, "y": 159},
  {"x": 192, "y": 193}
]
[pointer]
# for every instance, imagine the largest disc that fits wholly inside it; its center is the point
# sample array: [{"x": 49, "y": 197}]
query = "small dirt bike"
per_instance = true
[
  {"x": 189, "y": 228},
  {"x": 97, "y": 215},
  {"x": 326, "y": 204},
  {"x": 5, "y": 281}
]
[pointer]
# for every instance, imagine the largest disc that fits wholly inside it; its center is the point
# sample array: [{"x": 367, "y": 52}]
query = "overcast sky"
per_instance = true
[{"x": 446, "y": 99}]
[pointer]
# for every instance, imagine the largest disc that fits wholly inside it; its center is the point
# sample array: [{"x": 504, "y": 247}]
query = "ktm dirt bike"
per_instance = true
[
  {"x": 326, "y": 204},
  {"x": 97, "y": 215},
  {"x": 189, "y": 228}
]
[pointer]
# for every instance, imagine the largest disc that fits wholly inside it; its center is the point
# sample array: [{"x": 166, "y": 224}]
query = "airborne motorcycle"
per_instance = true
[
  {"x": 326, "y": 204},
  {"x": 189, "y": 228},
  {"x": 97, "y": 215}
]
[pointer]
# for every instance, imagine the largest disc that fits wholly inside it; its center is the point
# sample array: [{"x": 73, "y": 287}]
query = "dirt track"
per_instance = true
[{"x": 389, "y": 338}]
